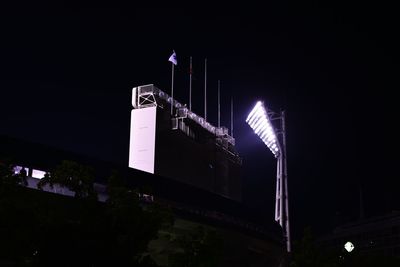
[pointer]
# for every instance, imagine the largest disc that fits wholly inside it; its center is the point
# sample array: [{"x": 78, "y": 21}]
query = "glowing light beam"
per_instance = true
[{"x": 259, "y": 121}]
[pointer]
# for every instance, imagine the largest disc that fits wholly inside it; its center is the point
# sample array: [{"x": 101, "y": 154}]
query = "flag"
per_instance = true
[{"x": 172, "y": 58}]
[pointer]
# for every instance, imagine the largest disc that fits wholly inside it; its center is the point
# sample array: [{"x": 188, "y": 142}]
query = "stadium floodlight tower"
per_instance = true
[{"x": 259, "y": 119}]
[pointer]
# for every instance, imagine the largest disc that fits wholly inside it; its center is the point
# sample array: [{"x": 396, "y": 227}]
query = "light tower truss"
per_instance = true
[{"x": 260, "y": 120}]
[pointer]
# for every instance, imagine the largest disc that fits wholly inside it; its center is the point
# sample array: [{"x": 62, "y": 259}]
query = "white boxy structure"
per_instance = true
[{"x": 169, "y": 140}]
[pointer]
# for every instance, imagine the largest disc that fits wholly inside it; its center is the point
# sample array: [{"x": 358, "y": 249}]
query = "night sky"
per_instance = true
[{"x": 66, "y": 78}]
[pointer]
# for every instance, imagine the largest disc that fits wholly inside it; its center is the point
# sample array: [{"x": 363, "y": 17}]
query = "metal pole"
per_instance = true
[
  {"x": 190, "y": 85},
  {"x": 219, "y": 105},
  {"x": 172, "y": 89},
  {"x": 232, "y": 116},
  {"x": 205, "y": 89},
  {"x": 278, "y": 192},
  {"x": 281, "y": 191},
  {"x": 285, "y": 176}
]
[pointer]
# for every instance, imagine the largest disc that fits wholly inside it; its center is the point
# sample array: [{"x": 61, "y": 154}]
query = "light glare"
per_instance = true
[
  {"x": 349, "y": 246},
  {"x": 260, "y": 123}
]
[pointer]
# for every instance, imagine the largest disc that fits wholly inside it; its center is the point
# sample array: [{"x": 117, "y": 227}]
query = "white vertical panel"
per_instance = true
[
  {"x": 143, "y": 139},
  {"x": 134, "y": 97}
]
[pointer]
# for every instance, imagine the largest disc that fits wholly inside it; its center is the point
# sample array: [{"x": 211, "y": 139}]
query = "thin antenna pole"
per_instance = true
[
  {"x": 205, "y": 89},
  {"x": 285, "y": 177},
  {"x": 219, "y": 105},
  {"x": 190, "y": 85},
  {"x": 172, "y": 89},
  {"x": 232, "y": 116}
]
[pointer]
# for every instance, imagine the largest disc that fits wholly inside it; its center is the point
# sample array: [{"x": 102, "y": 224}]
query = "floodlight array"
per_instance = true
[{"x": 259, "y": 121}]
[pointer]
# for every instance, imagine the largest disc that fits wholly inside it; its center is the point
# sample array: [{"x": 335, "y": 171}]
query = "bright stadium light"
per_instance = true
[
  {"x": 261, "y": 125},
  {"x": 259, "y": 119}
]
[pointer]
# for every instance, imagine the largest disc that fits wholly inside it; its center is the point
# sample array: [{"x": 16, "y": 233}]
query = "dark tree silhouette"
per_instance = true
[{"x": 74, "y": 176}]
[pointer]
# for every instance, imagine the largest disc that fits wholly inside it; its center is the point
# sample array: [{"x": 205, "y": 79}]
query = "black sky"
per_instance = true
[{"x": 66, "y": 79}]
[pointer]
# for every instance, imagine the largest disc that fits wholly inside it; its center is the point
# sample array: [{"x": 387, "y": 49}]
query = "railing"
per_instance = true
[{"x": 184, "y": 112}]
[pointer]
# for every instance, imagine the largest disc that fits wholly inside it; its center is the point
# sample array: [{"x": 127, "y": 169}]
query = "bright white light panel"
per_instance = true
[{"x": 261, "y": 125}]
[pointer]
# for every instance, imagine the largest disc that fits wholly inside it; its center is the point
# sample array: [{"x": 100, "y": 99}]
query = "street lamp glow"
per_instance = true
[
  {"x": 259, "y": 121},
  {"x": 349, "y": 246}
]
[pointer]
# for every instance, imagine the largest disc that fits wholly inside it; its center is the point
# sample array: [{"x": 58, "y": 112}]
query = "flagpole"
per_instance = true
[
  {"x": 172, "y": 89},
  {"x": 190, "y": 85},
  {"x": 205, "y": 89},
  {"x": 219, "y": 106},
  {"x": 232, "y": 116}
]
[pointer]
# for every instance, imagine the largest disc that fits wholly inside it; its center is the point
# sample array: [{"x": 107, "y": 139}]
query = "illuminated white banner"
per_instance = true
[{"x": 143, "y": 139}]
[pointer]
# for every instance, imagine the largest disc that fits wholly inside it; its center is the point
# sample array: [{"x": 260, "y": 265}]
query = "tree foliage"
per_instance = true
[
  {"x": 8, "y": 179},
  {"x": 305, "y": 252},
  {"x": 45, "y": 229},
  {"x": 200, "y": 247},
  {"x": 74, "y": 176},
  {"x": 132, "y": 225}
]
